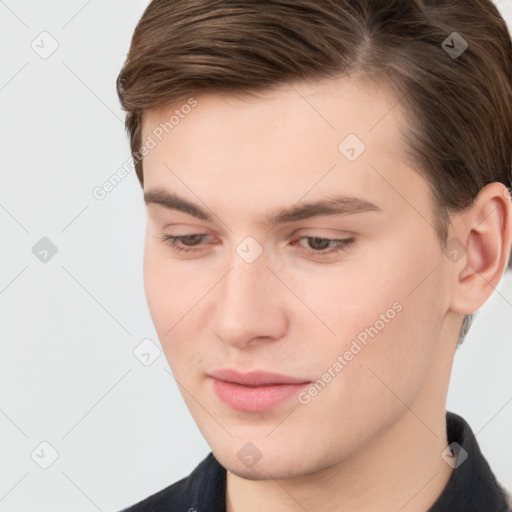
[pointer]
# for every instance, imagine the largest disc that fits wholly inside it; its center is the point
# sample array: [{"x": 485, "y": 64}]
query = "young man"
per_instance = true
[{"x": 327, "y": 195}]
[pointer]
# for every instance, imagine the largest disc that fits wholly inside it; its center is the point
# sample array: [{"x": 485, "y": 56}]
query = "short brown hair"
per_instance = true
[{"x": 459, "y": 107}]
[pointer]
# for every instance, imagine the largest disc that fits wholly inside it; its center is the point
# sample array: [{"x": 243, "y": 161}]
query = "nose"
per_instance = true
[{"x": 251, "y": 304}]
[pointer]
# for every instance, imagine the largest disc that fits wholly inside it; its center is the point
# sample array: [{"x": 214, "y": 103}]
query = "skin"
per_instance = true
[{"x": 372, "y": 438}]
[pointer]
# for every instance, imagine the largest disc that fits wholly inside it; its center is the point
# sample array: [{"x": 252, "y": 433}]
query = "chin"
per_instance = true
[
  {"x": 251, "y": 473},
  {"x": 261, "y": 472},
  {"x": 266, "y": 468}
]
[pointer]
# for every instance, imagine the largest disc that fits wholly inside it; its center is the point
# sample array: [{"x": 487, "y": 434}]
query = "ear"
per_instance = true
[{"x": 484, "y": 233}]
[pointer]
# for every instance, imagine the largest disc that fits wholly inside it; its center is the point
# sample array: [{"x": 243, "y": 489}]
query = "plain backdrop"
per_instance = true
[{"x": 74, "y": 396}]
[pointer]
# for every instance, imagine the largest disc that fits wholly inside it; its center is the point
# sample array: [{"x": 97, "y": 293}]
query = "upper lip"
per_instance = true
[{"x": 254, "y": 378}]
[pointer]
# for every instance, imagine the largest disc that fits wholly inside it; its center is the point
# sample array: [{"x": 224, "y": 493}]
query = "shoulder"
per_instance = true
[{"x": 203, "y": 490}]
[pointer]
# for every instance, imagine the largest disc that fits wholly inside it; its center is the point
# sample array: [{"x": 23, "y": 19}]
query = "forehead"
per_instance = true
[
  {"x": 323, "y": 112},
  {"x": 358, "y": 100},
  {"x": 303, "y": 138}
]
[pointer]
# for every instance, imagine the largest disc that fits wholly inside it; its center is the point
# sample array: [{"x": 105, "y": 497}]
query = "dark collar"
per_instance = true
[{"x": 472, "y": 486}]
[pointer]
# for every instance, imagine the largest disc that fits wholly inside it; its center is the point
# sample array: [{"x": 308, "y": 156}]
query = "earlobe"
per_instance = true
[{"x": 487, "y": 231}]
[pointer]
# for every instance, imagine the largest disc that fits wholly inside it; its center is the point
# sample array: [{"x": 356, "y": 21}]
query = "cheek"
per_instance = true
[
  {"x": 340, "y": 301},
  {"x": 165, "y": 294},
  {"x": 380, "y": 322},
  {"x": 168, "y": 288},
  {"x": 155, "y": 285},
  {"x": 173, "y": 293}
]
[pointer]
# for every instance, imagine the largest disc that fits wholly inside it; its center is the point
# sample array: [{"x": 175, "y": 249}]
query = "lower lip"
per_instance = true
[{"x": 255, "y": 399}]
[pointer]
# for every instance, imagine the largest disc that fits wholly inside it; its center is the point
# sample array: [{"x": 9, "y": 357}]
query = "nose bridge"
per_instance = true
[
  {"x": 247, "y": 302},
  {"x": 244, "y": 287}
]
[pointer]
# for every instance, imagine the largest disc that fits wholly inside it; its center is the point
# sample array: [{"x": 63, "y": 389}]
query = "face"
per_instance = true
[{"x": 344, "y": 298}]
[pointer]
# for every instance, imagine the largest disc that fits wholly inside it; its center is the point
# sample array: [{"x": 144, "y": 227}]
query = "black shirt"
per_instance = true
[{"x": 472, "y": 486}]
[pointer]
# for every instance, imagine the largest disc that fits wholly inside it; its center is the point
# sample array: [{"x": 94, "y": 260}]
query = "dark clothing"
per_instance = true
[{"x": 472, "y": 486}]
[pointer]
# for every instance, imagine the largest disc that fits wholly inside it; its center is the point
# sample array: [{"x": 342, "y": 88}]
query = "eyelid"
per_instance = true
[
  {"x": 318, "y": 232},
  {"x": 341, "y": 244}
]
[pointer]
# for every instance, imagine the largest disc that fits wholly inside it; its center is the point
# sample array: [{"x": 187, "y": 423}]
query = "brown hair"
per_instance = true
[{"x": 459, "y": 107}]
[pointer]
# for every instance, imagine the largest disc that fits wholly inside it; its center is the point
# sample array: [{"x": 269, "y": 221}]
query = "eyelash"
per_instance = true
[{"x": 343, "y": 244}]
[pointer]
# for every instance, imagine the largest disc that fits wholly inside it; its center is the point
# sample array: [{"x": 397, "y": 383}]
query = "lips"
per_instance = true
[
  {"x": 255, "y": 391},
  {"x": 255, "y": 378}
]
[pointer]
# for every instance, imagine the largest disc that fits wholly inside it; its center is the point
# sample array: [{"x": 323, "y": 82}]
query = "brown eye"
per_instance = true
[
  {"x": 317, "y": 246},
  {"x": 188, "y": 242}
]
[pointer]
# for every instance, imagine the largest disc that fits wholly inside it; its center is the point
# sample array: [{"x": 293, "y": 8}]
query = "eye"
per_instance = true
[
  {"x": 188, "y": 241},
  {"x": 317, "y": 245}
]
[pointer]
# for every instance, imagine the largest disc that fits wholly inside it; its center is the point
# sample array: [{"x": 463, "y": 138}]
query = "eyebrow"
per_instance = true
[{"x": 338, "y": 205}]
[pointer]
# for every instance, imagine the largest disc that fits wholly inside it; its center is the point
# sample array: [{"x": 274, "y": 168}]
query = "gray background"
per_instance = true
[{"x": 70, "y": 325}]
